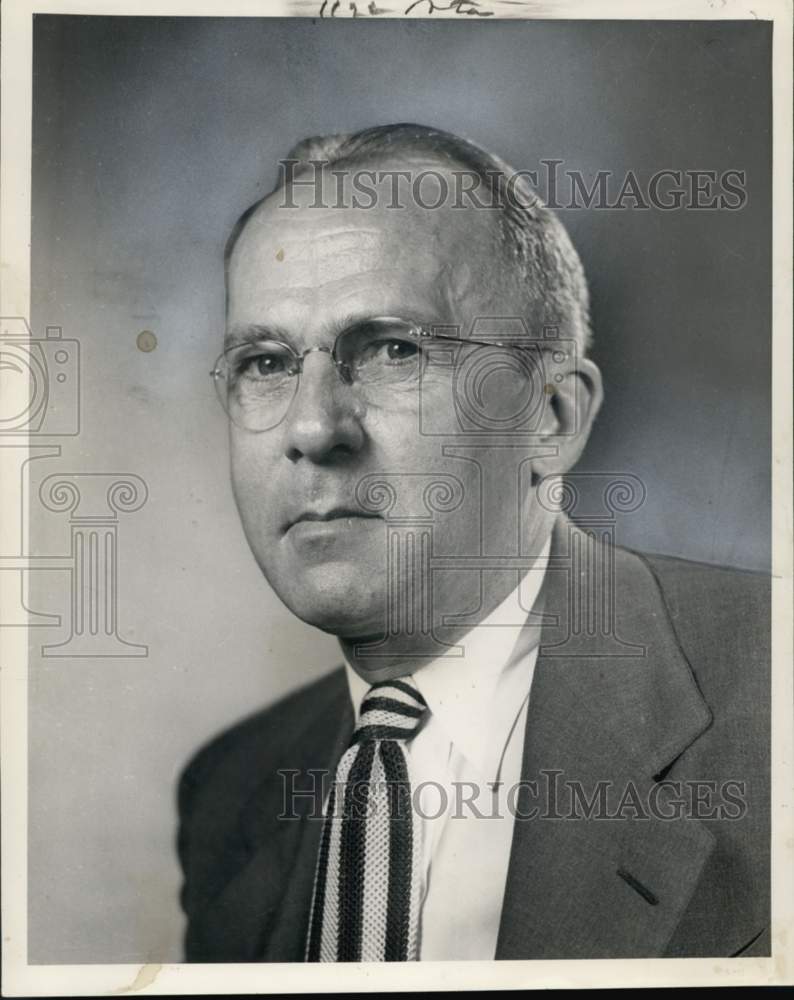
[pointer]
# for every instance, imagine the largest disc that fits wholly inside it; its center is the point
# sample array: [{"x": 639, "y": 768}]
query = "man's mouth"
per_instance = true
[{"x": 330, "y": 515}]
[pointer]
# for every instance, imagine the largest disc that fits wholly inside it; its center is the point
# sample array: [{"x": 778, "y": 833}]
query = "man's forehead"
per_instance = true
[
  {"x": 441, "y": 262},
  {"x": 330, "y": 215},
  {"x": 319, "y": 231}
]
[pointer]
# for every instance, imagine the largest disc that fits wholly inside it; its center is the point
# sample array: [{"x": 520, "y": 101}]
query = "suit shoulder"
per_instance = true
[
  {"x": 224, "y": 775},
  {"x": 707, "y": 603},
  {"x": 255, "y": 737},
  {"x": 682, "y": 578},
  {"x": 721, "y": 617}
]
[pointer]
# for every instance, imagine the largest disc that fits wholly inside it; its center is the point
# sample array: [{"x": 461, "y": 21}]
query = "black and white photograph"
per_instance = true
[{"x": 397, "y": 527}]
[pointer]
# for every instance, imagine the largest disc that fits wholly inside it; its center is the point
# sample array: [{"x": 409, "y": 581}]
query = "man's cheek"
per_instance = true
[
  {"x": 252, "y": 463},
  {"x": 255, "y": 494}
]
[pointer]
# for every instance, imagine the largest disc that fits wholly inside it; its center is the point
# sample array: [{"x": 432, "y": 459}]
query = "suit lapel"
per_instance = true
[
  {"x": 262, "y": 912},
  {"x": 601, "y": 887},
  {"x": 287, "y": 941}
]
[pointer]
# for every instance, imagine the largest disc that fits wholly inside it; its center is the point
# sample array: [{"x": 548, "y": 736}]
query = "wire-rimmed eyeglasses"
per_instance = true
[{"x": 256, "y": 380}]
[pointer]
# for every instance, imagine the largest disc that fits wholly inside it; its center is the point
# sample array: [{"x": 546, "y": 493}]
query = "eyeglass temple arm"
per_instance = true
[{"x": 423, "y": 333}]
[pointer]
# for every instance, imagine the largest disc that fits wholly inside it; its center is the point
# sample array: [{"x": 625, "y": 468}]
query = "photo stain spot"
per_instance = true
[
  {"x": 146, "y": 341},
  {"x": 548, "y": 388},
  {"x": 280, "y": 255}
]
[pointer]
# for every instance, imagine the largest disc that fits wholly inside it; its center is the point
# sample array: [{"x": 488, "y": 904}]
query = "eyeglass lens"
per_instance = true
[{"x": 257, "y": 381}]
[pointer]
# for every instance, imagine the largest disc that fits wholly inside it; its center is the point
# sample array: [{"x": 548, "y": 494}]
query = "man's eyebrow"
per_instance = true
[
  {"x": 251, "y": 332},
  {"x": 355, "y": 319}
]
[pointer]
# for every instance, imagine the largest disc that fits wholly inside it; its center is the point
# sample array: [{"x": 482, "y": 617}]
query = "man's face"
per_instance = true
[{"x": 305, "y": 273}]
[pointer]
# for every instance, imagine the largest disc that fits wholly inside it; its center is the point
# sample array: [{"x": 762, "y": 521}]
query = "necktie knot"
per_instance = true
[{"x": 390, "y": 710}]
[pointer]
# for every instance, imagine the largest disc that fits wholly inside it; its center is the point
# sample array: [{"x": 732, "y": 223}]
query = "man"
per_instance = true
[{"x": 539, "y": 745}]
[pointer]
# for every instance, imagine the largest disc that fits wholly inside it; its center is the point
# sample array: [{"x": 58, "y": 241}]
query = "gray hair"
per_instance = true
[{"x": 532, "y": 235}]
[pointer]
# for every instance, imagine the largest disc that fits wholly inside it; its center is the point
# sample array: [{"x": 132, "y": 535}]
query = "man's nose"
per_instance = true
[{"x": 324, "y": 419}]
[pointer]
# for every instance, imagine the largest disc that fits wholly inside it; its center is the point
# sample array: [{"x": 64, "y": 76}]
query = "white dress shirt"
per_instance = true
[{"x": 475, "y": 734}]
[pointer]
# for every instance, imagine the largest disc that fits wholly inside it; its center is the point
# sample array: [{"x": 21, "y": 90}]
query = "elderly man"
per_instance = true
[{"x": 539, "y": 744}]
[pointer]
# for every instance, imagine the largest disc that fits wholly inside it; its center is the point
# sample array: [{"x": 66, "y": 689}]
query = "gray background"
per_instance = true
[{"x": 150, "y": 136}]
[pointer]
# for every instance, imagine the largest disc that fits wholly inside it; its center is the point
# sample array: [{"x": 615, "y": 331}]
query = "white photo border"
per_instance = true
[{"x": 22, "y": 979}]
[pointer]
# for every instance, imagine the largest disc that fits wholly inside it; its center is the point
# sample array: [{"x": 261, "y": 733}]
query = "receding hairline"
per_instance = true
[
  {"x": 385, "y": 165},
  {"x": 386, "y": 159},
  {"x": 534, "y": 243}
]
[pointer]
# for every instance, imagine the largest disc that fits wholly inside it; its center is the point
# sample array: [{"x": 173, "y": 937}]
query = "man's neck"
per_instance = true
[{"x": 381, "y": 658}]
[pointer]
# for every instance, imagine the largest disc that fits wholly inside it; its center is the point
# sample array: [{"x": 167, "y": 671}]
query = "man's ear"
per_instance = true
[{"x": 569, "y": 412}]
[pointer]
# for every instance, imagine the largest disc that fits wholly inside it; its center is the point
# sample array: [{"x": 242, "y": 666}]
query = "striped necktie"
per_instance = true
[{"x": 367, "y": 887}]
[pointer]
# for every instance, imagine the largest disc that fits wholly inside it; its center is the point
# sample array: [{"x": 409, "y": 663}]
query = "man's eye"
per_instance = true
[
  {"x": 395, "y": 350},
  {"x": 264, "y": 365}
]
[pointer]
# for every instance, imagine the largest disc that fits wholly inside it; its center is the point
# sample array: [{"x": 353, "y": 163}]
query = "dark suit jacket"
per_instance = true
[{"x": 690, "y": 703}]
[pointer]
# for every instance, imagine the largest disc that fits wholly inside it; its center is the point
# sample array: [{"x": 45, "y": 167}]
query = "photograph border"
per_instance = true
[{"x": 22, "y": 979}]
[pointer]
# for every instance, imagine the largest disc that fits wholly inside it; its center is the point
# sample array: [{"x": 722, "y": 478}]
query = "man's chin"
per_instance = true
[
  {"x": 337, "y": 602},
  {"x": 341, "y": 623}
]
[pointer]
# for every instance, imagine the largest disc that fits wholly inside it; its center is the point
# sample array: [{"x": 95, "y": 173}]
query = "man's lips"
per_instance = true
[{"x": 332, "y": 514}]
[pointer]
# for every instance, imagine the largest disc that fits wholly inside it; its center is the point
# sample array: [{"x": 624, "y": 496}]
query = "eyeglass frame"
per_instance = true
[{"x": 418, "y": 331}]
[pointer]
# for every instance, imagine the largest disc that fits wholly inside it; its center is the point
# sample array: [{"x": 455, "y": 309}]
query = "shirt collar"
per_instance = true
[{"x": 476, "y": 696}]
